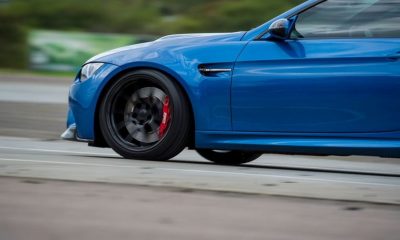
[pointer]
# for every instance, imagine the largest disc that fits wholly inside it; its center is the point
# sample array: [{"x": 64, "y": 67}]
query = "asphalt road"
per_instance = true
[{"x": 51, "y": 189}]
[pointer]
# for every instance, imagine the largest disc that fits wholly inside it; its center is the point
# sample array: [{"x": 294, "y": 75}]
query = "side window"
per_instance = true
[{"x": 349, "y": 19}]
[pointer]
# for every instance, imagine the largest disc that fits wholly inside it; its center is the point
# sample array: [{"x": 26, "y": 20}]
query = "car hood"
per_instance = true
[
  {"x": 205, "y": 37},
  {"x": 183, "y": 40}
]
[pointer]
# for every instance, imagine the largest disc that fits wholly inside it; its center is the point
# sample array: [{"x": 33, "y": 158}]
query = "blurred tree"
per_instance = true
[
  {"x": 156, "y": 17},
  {"x": 13, "y": 41},
  {"x": 230, "y": 15},
  {"x": 147, "y": 16}
]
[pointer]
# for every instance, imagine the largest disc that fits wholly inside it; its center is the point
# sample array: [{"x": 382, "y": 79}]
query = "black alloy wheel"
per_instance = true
[{"x": 145, "y": 115}]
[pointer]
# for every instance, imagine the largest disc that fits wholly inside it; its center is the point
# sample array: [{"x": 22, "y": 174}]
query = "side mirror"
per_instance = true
[{"x": 280, "y": 29}]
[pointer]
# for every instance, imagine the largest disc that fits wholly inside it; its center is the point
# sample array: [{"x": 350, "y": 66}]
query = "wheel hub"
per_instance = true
[{"x": 144, "y": 115}]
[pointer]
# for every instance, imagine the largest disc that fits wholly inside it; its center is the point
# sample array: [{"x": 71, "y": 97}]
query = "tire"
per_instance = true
[
  {"x": 228, "y": 157},
  {"x": 145, "y": 115}
]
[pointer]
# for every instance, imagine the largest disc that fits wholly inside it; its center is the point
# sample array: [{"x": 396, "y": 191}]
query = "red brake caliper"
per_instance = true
[{"x": 165, "y": 118}]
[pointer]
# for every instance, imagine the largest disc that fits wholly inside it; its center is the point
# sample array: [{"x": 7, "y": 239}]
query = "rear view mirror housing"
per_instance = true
[{"x": 279, "y": 30}]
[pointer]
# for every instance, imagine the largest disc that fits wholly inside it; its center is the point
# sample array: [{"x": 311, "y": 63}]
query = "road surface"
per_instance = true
[{"x": 52, "y": 189}]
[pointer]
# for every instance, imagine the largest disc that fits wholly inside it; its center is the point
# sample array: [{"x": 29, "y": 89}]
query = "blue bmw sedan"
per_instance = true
[{"x": 322, "y": 78}]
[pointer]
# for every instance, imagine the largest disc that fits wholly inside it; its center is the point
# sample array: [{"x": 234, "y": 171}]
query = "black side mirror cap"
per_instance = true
[{"x": 279, "y": 30}]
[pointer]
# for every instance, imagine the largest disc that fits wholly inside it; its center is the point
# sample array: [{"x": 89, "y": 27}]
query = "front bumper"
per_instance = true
[
  {"x": 83, "y": 100},
  {"x": 70, "y": 133}
]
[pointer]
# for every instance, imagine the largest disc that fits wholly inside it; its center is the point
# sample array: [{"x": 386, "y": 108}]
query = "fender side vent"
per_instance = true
[{"x": 215, "y": 69}]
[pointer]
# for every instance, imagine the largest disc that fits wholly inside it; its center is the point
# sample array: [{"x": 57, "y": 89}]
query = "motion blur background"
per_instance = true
[
  {"x": 48, "y": 35},
  {"x": 53, "y": 189}
]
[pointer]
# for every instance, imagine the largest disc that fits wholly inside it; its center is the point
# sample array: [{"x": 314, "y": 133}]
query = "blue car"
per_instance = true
[{"x": 320, "y": 79}]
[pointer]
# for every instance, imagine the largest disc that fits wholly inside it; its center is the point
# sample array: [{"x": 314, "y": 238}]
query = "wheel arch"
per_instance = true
[{"x": 98, "y": 136}]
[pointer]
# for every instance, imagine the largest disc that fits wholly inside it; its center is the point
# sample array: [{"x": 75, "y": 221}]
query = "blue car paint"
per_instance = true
[
  {"x": 279, "y": 97},
  {"x": 304, "y": 96}
]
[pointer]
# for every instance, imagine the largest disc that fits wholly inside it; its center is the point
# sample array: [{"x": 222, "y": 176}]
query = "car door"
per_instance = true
[{"x": 338, "y": 73}]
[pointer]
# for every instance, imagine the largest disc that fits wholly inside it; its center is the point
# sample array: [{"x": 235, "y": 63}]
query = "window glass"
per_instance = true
[{"x": 350, "y": 19}]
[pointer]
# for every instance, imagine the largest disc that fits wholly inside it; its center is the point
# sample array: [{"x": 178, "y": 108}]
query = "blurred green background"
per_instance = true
[{"x": 60, "y": 35}]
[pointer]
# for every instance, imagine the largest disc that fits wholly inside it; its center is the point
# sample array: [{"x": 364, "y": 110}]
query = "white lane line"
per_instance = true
[
  {"x": 60, "y": 151},
  {"x": 66, "y": 163},
  {"x": 202, "y": 172},
  {"x": 116, "y": 155}
]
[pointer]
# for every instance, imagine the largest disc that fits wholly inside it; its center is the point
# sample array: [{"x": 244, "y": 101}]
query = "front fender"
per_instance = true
[{"x": 209, "y": 96}]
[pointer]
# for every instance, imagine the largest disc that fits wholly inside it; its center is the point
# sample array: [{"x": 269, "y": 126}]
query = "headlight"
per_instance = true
[{"x": 89, "y": 70}]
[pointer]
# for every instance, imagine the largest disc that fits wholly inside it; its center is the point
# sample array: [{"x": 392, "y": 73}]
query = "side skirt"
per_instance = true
[{"x": 316, "y": 144}]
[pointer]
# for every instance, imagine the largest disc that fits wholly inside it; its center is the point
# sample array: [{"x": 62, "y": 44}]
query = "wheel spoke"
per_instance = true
[
  {"x": 140, "y": 136},
  {"x": 146, "y": 137},
  {"x": 144, "y": 92},
  {"x": 132, "y": 128},
  {"x": 150, "y": 99},
  {"x": 128, "y": 138},
  {"x": 129, "y": 107},
  {"x": 153, "y": 126},
  {"x": 134, "y": 97},
  {"x": 151, "y": 92},
  {"x": 160, "y": 95}
]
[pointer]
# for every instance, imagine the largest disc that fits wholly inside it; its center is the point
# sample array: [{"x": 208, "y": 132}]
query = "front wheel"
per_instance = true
[
  {"x": 145, "y": 115},
  {"x": 228, "y": 157}
]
